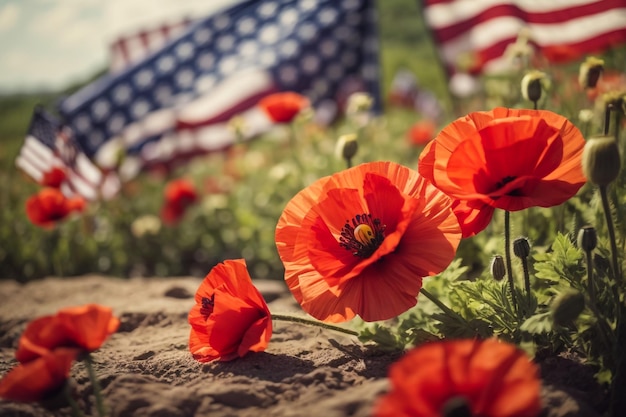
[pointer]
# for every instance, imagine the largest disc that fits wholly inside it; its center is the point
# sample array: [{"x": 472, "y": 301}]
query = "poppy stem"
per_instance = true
[
  {"x": 607, "y": 119},
  {"x": 442, "y": 306},
  {"x": 509, "y": 264},
  {"x": 609, "y": 225},
  {"x": 76, "y": 411},
  {"x": 300, "y": 320},
  {"x": 97, "y": 391}
]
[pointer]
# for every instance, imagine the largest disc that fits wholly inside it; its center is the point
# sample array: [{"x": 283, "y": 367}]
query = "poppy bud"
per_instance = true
[
  {"x": 359, "y": 102},
  {"x": 532, "y": 85},
  {"x": 498, "y": 270},
  {"x": 590, "y": 71},
  {"x": 567, "y": 306},
  {"x": 587, "y": 238},
  {"x": 456, "y": 407},
  {"x": 601, "y": 160},
  {"x": 613, "y": 100},
  {"x": 347, "y": 146},
  {"x": 521, "y": 247}
]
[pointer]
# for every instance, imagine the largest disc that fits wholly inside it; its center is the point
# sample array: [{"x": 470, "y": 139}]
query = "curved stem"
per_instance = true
[
  {"x": 442, "y": 306},
  {"x": 300, "y": 320},
  {"x": 97, "y": 391},
  {"x": 509, "y": 263}
]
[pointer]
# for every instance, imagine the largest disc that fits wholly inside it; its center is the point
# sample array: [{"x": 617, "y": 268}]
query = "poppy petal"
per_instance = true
[{"x": 35, "y": 380}]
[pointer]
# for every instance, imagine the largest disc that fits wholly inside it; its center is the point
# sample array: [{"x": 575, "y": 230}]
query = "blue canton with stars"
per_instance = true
[{"x": 308, "y": 46}]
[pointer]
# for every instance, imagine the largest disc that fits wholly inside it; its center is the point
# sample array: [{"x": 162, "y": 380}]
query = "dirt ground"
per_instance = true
[{"x": 146, "y": 368}]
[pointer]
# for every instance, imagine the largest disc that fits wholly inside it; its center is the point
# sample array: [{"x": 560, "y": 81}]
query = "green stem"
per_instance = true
[
  {"x": 591, "y": 289},
  {"x": 607, "y": 119},
  {"x": 442, "y": 306},
  {"x": 97, "y": 391},
  {"x": 300, "y": 320},
  {"x": 509, "y": 263},
  {"x": 524, "y": 260},
  {"x": 611, "y": 230},
  {"x": 76, "y": 411}
]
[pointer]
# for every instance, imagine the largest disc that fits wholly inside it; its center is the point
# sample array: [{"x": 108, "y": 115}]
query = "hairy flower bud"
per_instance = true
[
  {"x": 347, "y": 146},
  {"x": 590, "y": 71},
  {"x": 498, "y": 270},
  {"x": 532, "y": 85},
  {"x": 359, "y": 102},
  {"x": 567, "y": 306},
  {"x": 587, "y": 238},
  {"x": 601, "y": 160},
  {"x": 521, "y": 247}
]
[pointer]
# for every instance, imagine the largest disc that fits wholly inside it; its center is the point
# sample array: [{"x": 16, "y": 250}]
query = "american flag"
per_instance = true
[
  {"x": 561, "y": 30},
  {"x": 48, "y": 146},
  {"x": 178, "y": 101},
  {"x": 134, "y": 47}
]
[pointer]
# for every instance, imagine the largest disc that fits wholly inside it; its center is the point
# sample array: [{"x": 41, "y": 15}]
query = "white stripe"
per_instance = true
[
  {"x": 86, "y": 169},
  {"x": 82, "y": 187},
  {"x": 31, "y": 170},
  {"x": 226, "y": 95},
  {"x": 443, "y": 15}
]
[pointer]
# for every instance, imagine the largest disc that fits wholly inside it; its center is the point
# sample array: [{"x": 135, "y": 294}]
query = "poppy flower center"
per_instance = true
[
  {"x": 504, "y": 181},
  {"x": 207, "y": 306},
  {"x": 362, "y": 235}
]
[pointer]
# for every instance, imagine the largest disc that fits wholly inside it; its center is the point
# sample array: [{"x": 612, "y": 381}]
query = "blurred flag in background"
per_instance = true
[
  {"x": 49, "y": 149},
  {"x": 177, "y": 101},
  {"x": 478, "y": 36}
]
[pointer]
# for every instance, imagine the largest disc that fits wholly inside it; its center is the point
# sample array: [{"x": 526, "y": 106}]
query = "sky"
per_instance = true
[{"x": 50, "y": 44}]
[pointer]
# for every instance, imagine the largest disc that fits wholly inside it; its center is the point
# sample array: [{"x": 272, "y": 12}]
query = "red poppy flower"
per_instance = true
[
  {"x": 283, "y": 107},
  {"x": 53, "y": 178},
  {"x": 491, "y": 378},
  {"x": 421, "y": 132},
  {"x": 85, "y": 327},
  {"x": 39, "y": 378},
  {"x": 505, "y": 158},
  {"x": 230, "y": 317},
  {"x": 360, "y": 241},
  {"x": 50, "y": 205},
  {"x": 179, "y": 195}
]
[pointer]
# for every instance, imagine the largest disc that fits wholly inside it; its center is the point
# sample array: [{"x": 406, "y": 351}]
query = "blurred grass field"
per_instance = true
[
  {"x": 102, "y": 240},
  {"x": 261, "y": 177}
]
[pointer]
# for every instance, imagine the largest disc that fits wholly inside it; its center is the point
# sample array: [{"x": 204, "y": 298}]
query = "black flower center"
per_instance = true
[
  {"x": 504, "y": 181},
  {"x": 207, "y": 306},
  {"x": 362, "y": 235}
]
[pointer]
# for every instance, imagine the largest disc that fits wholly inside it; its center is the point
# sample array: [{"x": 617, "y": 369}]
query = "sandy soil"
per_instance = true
[{"x": 146, "y": 369}]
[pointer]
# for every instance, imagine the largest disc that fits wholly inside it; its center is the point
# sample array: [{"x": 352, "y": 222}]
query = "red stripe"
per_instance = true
[{"x": 444, "y": 34}]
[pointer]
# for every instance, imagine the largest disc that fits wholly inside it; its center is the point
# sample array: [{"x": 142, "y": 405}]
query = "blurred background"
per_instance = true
[{"x": 57, "y": 53}]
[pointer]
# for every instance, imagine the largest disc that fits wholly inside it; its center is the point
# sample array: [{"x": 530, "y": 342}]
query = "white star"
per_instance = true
[{"x": 246, "y": 26}]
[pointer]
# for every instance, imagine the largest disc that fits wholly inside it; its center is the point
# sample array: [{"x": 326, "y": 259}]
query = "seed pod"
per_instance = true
[
  {"x": 521, "y": 247},
  {"x": 567, "y": 306},
  {"x": 347, "y": 146},
  {"x": 532, "y": 85},
  {"x": 589, "y": 72},
  {"x": 601, "y": 160},
  {"x": 587, "y": 238},
  {"x": 498, "y": 270}
]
